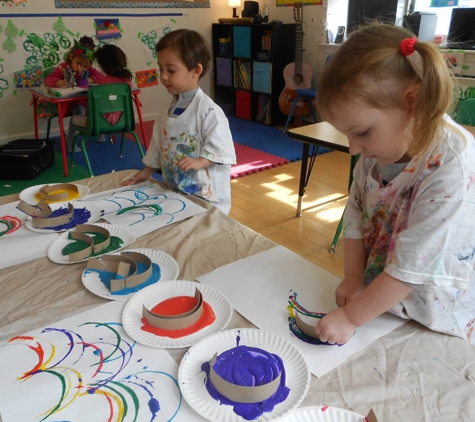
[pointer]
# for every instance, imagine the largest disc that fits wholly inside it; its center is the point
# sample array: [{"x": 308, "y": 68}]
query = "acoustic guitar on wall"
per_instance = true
[{"x": 297, "y": 75}]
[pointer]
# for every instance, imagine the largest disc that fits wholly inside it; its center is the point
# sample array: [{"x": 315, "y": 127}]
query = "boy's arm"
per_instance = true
[{"x": 381, "y": 295}]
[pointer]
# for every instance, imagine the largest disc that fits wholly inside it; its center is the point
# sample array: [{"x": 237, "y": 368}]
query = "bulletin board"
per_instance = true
[{"x": 129, "y": 4}]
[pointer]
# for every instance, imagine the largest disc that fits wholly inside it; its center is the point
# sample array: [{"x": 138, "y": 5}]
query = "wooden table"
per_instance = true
[
  {"x": 321, "y": 134},
  {"x": 62, "y": 105}
]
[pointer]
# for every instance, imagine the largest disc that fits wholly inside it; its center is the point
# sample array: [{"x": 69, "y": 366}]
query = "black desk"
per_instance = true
[{"x": 321, "y": 134}]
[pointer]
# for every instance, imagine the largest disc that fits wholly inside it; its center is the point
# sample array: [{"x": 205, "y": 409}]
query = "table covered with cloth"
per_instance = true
[{"x": 411, "y": 374}]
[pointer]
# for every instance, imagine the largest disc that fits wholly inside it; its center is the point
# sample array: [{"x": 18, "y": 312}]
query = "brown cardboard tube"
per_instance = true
[
  {"x": 98, "y": 247},
  {"x": 83, "y": 253},
  {"x": 47, "y": 190},
  {"x": 40, "y": 214},
  {"x": 240, "y": 393},
  {"x": 176, "y": 322},
  {"x": 40, "y": 210},
  {"x": 307, "y": 329},
  {"x": 136, "y": 279},
  {"x": 79, "y": 234}
]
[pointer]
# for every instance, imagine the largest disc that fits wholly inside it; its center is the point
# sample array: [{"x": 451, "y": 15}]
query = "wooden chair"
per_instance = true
[{"x": 110, "y": 111}]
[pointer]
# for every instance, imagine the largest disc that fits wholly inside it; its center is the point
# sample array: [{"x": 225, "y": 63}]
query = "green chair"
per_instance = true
[{"x": 110, "y": 111}]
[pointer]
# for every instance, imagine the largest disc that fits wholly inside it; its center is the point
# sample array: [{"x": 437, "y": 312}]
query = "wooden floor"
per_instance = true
[{"x": 267, "y": 201}]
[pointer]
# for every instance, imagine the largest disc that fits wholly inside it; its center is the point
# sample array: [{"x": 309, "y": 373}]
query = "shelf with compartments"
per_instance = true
[{"x": 248, "y": 63}]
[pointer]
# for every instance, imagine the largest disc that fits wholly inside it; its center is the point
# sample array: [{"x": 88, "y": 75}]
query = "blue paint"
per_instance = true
[
  {"x": 154, "y": 406},
  {"x": 107, "y": 276},
  {"x": 249, "y": 367},
  {"x": 80, "y": 216}
]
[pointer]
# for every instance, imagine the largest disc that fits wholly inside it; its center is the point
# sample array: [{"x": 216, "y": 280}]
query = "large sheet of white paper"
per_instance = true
[
  {"x": 85, "y": 368},
  {"x": 17, "y": 243},
  {"x": 259, "y": 287},
  {"x": 144, "y": 208}
]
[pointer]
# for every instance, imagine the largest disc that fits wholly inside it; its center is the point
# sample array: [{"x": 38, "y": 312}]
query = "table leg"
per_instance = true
[
  {"x": 34, "y": 103},
  {"x": 61, "y": 112},
  {"x": 138, "y": 105},
  {"x": 303, "y": 178}
]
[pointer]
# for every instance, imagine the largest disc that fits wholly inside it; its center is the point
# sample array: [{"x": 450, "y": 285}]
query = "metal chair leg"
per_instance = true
[{"x": 296, "y": 100}]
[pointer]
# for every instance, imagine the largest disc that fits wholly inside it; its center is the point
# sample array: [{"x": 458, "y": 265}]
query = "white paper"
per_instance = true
[
  {"x": 259, "y": 287},
  {"x": 22, "y": 245},
  {"x": 144, "y": 208},
  {"x": 105, "y": 374}
]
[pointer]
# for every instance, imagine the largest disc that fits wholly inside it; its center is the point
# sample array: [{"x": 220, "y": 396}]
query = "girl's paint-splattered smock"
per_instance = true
[
  {"x": 420, "y": 229},
  {"x": 202, "y": 130}
]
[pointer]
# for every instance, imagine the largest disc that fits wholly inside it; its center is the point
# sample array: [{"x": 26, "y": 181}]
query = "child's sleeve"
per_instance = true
[
  {"x": 152, "y": 156},
  {"x": 218, "y": 145},
  {"x": 53, "y": 77},
  {"x": 94, "y": 74},
  {"x": 353, "y": 217}
]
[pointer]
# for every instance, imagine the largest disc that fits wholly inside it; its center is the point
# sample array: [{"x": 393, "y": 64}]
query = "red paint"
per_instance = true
[
  {"x": 324, "y": 408},
  {"x": 178, "y": 305}
]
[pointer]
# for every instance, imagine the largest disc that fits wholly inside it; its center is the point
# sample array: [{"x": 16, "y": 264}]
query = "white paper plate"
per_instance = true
[
  {"x": 192, "y": 379},
  {"x": 168, "y": 266},
  {"x": 156, "y": 293},
  {"x": 95, "y": 211},
  {"x": 317, "y": 414},
  {"x": 28, "y": 194},
  {"x": 55, "y": 247}
]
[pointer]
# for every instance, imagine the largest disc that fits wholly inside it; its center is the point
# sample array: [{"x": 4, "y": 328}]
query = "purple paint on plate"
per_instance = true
[
  {"x": 248, "y": 366},
  {"x": 81, "y": 216}
]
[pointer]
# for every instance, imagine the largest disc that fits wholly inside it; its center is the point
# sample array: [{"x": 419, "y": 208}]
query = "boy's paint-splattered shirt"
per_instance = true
[
  {"x": 420, "y": 229},
  {"x": 202, "y": 130}
]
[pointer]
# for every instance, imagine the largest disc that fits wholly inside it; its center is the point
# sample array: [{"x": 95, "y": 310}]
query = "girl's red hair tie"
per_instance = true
[{"x": 407, "y": 46}]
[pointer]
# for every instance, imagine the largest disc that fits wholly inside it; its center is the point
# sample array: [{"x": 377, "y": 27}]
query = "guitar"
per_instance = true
[{"x": 297, "y": 75}]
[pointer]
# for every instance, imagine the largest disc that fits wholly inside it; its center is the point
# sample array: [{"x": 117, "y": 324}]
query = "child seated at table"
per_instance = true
[
  {"x": 192, "y": 142},
  {"x": 113, "y": 62},
  {"x": 77, "y": 62}
]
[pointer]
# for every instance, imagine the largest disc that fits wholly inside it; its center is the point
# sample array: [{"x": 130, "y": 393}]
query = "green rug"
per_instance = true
[{"x": 53, "y": 175}]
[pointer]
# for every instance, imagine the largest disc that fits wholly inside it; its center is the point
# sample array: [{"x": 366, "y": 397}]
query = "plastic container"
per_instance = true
[{"x": 25, "y": 159}]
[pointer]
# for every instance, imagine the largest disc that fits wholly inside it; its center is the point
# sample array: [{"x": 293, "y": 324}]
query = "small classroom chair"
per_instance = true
[
  {"x": 306, "y": 95},
  {"x": 110, "y": 111}
]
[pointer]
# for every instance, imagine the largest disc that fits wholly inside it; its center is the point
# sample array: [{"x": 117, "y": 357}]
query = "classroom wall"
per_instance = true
[{"x": 16, "y": 118}]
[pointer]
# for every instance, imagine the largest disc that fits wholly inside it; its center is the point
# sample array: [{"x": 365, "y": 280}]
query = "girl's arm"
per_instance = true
[
  {"x": 55, "y": 78},
  {"x": 94, "y": 75},
  {"x": 381, "y": 295},
  {"x": 354, "y": 263}
]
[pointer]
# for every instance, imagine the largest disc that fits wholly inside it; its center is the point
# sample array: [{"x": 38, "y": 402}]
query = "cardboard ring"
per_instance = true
[
  {"x": 240, "y": 393},
  {"x": 40, "y": 214},
  {"x": 79, "y": 234},
  {"x": 176, "y": 322},
  {"x": 45, "y": 191},
  {"x": 307, "y": 329}
]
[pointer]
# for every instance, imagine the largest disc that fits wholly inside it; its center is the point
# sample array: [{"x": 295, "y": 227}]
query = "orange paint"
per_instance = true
[{"x": 178, "y": 305}]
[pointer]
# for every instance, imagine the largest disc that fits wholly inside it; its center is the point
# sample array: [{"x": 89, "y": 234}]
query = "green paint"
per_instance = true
[
  {"x": 9, "y": 45},
  {"x": 1, "y": 60},
  {"x": 120, "y": 28},
  {"x": 124, "y": 402},
  {"x": 79, "y": 245},
  {"x": 15, "y": 92},
  {"x": 78, "y": 35},
  {"x": 59, "y": 25},
  {"x": 154, "y": 208},
  {"x": 139, "y": 35},
  {"x": 11, "y": 30},
  {"x": 22, "y": 32},
  {"x": 63, "y": 392},
  {"x": 132, "y": 394},
  {"x": 70, "y": 32},
  {"x": 1, "y": 28},
  {"x": 465, "y": 67},
  {"x": 117, "y": 336},
  {"x": 173, "y": 20},
  {"x": 94, "y": 25}
]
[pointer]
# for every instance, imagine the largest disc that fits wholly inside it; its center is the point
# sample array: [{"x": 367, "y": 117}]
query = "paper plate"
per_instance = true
[
  {"x": 192, "y": 379},
  {"x": 322, "y": 414},
  {"x": 28, "y": 194},
  {"x": 95, "y": 211},
  {"x": 168, "y": 267},
  {"x": 156, "y": 293},
  {"x": 55, "y": 247}
]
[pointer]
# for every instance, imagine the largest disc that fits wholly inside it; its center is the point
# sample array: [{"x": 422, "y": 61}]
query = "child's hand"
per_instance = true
[
  {"x": 91, "y": 80},
  {"x": 348, "y": 289},
  {"x": 140, "y": 176},
  {"x": 335, "y": 328},
  {"x": 188, "y": 163}
]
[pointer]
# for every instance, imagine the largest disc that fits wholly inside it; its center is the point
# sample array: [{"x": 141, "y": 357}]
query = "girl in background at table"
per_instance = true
[
  {"x": 192, "y": 142},
  {"x": 113, "y": 62},
  {"x": 77, "y": 61},
  {"x": 409, "y": 224}
]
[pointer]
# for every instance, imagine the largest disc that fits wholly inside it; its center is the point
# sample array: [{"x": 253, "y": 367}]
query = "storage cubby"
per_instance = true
[{"x": 248, "y": 65}]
